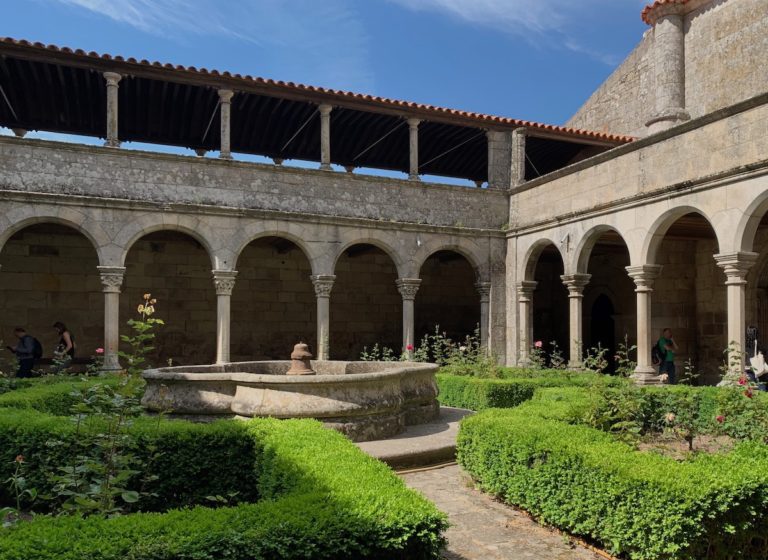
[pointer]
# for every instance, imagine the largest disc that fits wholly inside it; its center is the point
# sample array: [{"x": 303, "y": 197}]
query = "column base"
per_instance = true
[
  {"x": 112, "y": 144},
  {"x": 575, "y": 365},
  {"x": 325, "y": 167},
  {"x": 414, "y": 178},
  {"x": 646, "y": 376},
  {"x": 111, "y": 367},
  {"x": 225, "y": 156}
]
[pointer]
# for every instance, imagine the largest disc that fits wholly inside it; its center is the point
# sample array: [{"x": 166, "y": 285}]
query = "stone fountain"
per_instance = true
[{"x": 363, "y": 400}]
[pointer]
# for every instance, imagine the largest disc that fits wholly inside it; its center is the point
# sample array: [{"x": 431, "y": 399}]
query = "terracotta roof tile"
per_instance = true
[
  {"x": 277, "y": 85},
  {"x": 645, "y": 14}
]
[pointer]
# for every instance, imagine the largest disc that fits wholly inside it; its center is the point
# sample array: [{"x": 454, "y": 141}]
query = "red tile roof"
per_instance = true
[
  {"x": 650, "y": 7},
  {"x": 276, "y": 87}
]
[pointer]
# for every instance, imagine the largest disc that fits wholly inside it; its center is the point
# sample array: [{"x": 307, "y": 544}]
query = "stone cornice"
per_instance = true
[{"x": 229, "y": 211}]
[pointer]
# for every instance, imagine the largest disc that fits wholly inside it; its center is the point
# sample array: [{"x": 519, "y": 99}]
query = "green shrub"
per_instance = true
[
  {"x": 54, "y": 396},
  {"x": 641, "y": 505},
  {"x": 321, "y": 496}
]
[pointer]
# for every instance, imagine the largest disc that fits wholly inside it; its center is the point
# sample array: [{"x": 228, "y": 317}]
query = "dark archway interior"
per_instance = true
[
  {"x": 176, "y": 269},
  {"x": 550, "y": 302},
  {"x": 273, "y": 303},
  {"x": 366, "y": 308},
  {"x": 447, "y": 298},
  {"x": 48, "y": 273},
  {"x": 603, "y": 328}
]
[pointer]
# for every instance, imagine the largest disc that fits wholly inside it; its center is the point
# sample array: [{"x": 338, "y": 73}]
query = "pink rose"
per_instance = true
[
  {"x": 99, "y": 350},
  {"x": 742, "y": 381},
  {"x": 538, "y": 344},
  {"x": 409, "y": 347}
]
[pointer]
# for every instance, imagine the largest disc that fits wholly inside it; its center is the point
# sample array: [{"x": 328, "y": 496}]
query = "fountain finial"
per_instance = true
[{"x": 300, "y": 360}]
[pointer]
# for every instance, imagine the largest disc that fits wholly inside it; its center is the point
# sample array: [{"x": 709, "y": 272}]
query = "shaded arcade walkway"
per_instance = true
[{"x": 482, "y": 528}]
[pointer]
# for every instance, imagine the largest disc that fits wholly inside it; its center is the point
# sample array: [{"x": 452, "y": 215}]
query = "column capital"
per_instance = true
[
  {"x": 408, "y": 287},
  {"x": 325, "y": 109},
  {"x": 644, "y": 275},
  {"x": 225, "y": 95},
  {"x": 224, "y": 281},
  {"x": 112, "y": 78},
  {"x": 525, "y": 289},
  {"x": 575, "y": 283},
  {"x": 111, "y": 278},
  {"x": 413, "y": 122},
  {"x": 323, "y": 284},
  {"x": 736, "y": 265},
  {"x": 484, "y": 289}
]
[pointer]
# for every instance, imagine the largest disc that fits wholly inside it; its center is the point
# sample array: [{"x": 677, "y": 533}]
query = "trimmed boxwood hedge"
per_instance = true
[
  {"x": 642, "y": 505},
  {"x": 50, "y": 394},
  {"x": 513, "y": 387},
  {"x": 319, "y": 495}
]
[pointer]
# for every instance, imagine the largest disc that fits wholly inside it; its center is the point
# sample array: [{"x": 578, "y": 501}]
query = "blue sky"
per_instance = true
[{"x": 531, "y": 59}]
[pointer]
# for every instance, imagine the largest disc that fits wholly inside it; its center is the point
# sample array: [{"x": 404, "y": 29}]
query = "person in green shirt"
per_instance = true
[{"x": 667, "y": 346}]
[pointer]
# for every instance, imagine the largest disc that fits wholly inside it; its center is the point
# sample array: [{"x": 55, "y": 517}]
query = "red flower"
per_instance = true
[
  {"x": 720, "y": 418},
  {"x": 748, "y": 393},
  {"x": 19, "y": 458},
  {"x": 409, "y": 347},
  {"x": 742, "y": 381}
]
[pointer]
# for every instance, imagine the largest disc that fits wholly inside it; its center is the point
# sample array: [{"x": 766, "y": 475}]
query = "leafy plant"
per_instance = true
[
  {"x": 625, "y": 365},
  {"x": 556, "y": 359},
  {"x": 20, "y": 490},
  {"x": 595, "y": 359}
]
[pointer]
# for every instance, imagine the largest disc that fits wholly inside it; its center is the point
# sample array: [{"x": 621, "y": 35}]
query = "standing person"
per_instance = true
[
  {"x": 667, "y": 346},
  {"x": 65, "y": 350},
  {"x": 25, "y": 352}
]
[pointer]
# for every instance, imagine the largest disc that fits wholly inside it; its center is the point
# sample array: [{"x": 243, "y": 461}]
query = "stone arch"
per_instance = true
[
  {"x": 532, "y": 256},
  {"x": 462, "y": 247},
  {"x": 384, "y": 244},
  {"x": 135, "y": 230},
  {"x": 750, "y": 221},
  {"x": 659, "y": 228},
  {"x": 587, "y": 244},
  {"x": 96, "y": 236},
  {"x": 289, "y": 233}
]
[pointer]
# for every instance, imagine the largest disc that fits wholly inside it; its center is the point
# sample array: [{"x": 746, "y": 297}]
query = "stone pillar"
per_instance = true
[
  {"x": 525, "y": 311},
  {"x": 325, "y": 137},
  {"x": 224, "y": 281},
  {"x": 112, "y": 79},
  {"x": 413, "y": 136},
  {"x": 669, "y": 66},
  {"x": 575, "y": 284},
  {"x": 484, "y": 290},
  {"x": 225, "y": 100},
  {"x": 644, "y": 276},
  {"x": 323, "y": 284},
  {"x": 736, "y": 266},
  {"x": 111, "y": 281},
  {"x": 499, "y": 159},
  {"x": 518, "y": 157},
  {"x": 408, "y": 287}
]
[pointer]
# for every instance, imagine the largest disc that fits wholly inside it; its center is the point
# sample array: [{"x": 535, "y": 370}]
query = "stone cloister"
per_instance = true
[{"x": 559, "y": 235}]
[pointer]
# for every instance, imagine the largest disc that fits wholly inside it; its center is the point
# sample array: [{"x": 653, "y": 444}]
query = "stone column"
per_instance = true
[
  {"x": 525, "y": 311},
  {"x": 112, "y": 79},
  {"x": 518, "y": 157},
  {"x": 408, "y": 287},
  {"x": 413, "y": 136},
  {"x": 325, "y": 137},
  {"x": 644, "y": 276},
  {"x": 111, "y": 281},
  {"x": 484, "y": 290},
  {"x": 323, "y": 284},
  {"x": 224, "y": 281},
  {"x": 225, "y": 100},
  {"x": 669, "y": 66},
  {"x": 736, "y": 266},
  {"x": 575, "y": 284}
]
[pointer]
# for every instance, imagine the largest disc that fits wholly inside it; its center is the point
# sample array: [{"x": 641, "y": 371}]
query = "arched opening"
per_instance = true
[
  {"x": 48, "y": 273},
  {"x": 757, "y": 291},
  {"x": 447, "y": 297},
  {"x": 176, "y": 269},
  {"x": 609, "y": 314},
  {"x": 273, "y": 303},
  {"x": 366, "y": 308},
  {"x": 689, "y": 296},
  {"x": 550, "y": 303}
]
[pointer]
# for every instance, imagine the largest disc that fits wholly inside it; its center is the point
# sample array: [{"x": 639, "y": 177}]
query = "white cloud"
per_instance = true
[
  {"x": 531, "y": 19},
  {"x": 325, "y": 36}
]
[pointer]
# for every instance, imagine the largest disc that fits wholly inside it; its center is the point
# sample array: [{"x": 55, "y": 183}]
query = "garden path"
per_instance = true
[{"x": 482, "y": 528}]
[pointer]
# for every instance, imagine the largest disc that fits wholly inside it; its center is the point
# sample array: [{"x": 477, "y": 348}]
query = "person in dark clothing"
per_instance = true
[
  {"x": 25, "y": 352},
  {"x": 65, "y": 350},
  {"x": 668, "y": 346}
]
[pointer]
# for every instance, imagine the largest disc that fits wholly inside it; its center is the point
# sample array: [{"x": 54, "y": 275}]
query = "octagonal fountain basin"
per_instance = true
[{"x": 363, "y": 400}]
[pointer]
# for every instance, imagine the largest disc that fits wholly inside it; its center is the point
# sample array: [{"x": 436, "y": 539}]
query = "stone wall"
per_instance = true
[
  {"x": 36, "y": 166},
  {"x": 726, "y": 45}
]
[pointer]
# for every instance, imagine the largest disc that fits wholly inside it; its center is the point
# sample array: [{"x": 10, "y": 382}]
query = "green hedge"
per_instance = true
[
  {"x": 641, "y": 505},
  {"x": 50, "y": 394},
  {"x": 321, "y": 497},
  {"x": 513, "y": 387}
]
